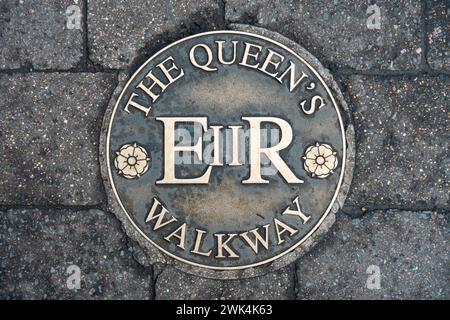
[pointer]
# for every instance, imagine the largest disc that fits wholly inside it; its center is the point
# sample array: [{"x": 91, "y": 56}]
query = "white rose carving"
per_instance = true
[
  {"x": 131, "y": 161},
  {"x": 320, "y": 160}
]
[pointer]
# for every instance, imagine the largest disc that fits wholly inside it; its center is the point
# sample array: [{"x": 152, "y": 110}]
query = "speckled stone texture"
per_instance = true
[
  {"x": 410, "y": 249},
  {"x": 34, "y": 35},
  {"x": 438, "y": 34},
  {"x": 402, "y": 137},
  {"x": 38, "y": 246},
  {"x": 49, "y": 128},
  {"x": 172, "y": 284},
  {"x": 396, "y": 81},
  {"x": 336, "y": 31},
  {"x": 121, "y": 30}
]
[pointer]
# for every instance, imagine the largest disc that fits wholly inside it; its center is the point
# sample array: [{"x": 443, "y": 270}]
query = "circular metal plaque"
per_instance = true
[{"x": 226, "y": 151}]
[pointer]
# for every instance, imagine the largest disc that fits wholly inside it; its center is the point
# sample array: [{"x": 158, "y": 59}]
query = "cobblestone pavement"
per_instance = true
[{"x": 59, "y": 63}]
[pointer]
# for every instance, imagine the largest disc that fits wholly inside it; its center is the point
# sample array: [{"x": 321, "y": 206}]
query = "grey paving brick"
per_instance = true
[
  {"x": 174, "y": 284},
  {"x": 336, "y": 32},
  {"x": 409, "y": 248},
  {"x": 34, "y": 34},
  {"x": 278, "y": 285},
  {"x": 49, "y": 128},
  {"x": 37, "y": 247},
  {"x": 438, "y": 34},
  {"x": 119, "y": 31},
  {"x": 402, "y": 137}
]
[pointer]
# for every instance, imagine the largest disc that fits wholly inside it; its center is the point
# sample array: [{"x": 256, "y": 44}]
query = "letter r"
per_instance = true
[{"x": 271, "y": 153}]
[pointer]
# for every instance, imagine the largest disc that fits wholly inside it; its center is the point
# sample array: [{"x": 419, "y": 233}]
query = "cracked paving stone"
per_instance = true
[
  {"x": 38, "y": 246},
  {"x": 172, "y": 284},
  {"x": 409, "y": 248},
  {"x": 34, "y": 34},
  {"x": 336, "y": 32},
  {"x": 402, "y": 136},
  {"x": 438, "y": 35},
  {"x": 119, "y": 31},
  {"x": 49, "y": 128}
]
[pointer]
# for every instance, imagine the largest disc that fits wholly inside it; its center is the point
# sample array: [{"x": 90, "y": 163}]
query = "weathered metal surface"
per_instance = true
[{"x": 225, "y": 211}]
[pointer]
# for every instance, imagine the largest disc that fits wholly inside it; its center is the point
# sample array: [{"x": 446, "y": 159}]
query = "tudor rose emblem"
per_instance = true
[{"x": 225, "y": 150}]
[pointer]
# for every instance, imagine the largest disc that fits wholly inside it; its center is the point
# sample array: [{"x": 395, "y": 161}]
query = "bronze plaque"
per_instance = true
[{"x": 225, "y": 150}]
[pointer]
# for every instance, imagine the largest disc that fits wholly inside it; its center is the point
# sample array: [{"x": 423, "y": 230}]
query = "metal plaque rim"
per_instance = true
[{"x": 247, "y": 266}]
